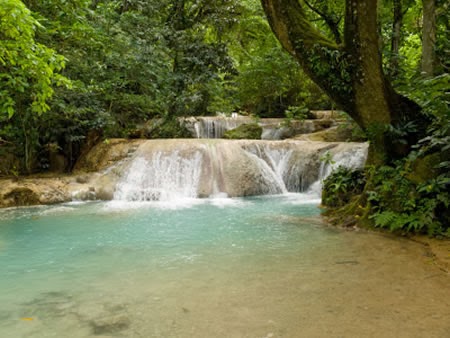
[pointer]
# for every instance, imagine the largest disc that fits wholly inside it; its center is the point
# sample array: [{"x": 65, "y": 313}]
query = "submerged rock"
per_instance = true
[{"x": 110, "y": 324}]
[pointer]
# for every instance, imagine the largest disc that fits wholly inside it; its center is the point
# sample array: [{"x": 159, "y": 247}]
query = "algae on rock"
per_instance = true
[{"x": 251, "y": 131}]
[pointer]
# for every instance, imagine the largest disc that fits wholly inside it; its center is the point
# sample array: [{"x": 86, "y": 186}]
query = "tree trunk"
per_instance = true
[
  {"x": 351, "y": 75},
  {"x": 396, "y": 37},
  {"x": 428, "y": 36},
  {"x": 370, "y": 87}
]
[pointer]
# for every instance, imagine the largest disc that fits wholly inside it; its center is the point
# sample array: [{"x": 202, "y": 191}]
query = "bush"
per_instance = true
[
  {"x": 400, "y": 202},
  {"x": 167, "y": 128},
  {"x": 341, "y": 186}
]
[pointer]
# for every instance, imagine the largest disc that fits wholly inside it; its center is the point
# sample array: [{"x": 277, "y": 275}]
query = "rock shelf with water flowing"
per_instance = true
[{"x": 174, "y": 169}]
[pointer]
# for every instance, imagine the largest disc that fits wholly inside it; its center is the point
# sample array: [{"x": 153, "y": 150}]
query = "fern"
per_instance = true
[{"x": 384, "y": 219}]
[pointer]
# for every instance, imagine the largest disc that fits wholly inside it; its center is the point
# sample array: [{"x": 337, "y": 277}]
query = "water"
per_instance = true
[
  {"x": 165, "y": 177},
  {"x": 257, "y": 267},
  {"x": 166, "y": 170}
]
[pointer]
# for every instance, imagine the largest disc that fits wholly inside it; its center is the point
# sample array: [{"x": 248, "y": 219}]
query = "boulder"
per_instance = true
[{"x": 33, "y": 191}]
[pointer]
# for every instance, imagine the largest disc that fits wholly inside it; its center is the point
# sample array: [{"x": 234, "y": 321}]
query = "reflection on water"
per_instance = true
[{"x": 259, "y": 267}]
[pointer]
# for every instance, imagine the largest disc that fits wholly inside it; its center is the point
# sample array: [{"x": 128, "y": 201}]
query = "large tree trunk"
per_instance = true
[
  {"x": 351, "y": 74},
  {"x": 428, "y": 36},
  {"x": 370, "y": 89}
]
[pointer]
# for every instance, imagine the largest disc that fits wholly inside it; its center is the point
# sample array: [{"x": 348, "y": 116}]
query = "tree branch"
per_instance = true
[{"x": 332, "y": 24}]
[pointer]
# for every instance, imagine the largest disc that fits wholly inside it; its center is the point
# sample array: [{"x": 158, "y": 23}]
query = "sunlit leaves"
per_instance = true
[{"x": 28, "y": 69}]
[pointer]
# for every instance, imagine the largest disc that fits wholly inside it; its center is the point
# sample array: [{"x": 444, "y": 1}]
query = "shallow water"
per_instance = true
[{"x": 258, "y": 267}]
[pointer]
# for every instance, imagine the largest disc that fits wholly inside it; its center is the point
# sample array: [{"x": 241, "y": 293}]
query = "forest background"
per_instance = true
[{"x": 73, "y": 72}]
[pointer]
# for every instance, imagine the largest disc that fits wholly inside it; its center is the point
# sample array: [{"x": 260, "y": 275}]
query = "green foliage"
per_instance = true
[
  {"x": 167, "y": 128},
  {"x": 298, "y": 113},
  {"x": 341, "y": 186},
  {"x": 128, "y": 61},
  {"x": 28, "y": 69},
  {"x": 399, "y": 204},
  {"x": 269, "y": 80},
  {"x": 327, "y": 17},
  {"x": 338, "y": 68},
  {"x": 412, "y": 194}
]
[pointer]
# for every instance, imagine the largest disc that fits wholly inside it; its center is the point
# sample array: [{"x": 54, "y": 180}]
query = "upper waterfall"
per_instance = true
[
  {"x": 211, "y": 127},
  {"x": 178, "y": 168}
]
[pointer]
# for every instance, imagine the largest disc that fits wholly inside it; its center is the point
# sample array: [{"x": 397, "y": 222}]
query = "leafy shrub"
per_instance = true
[
  {"x": 341, "y": 186},
  {"x": 412, "y": 195},
  {"x": 400, "y": 204}
]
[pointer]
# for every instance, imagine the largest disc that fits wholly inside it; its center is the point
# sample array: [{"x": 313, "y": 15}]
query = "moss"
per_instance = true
[
  {"x": 245, "y": 131},
  {"x": 22, "y": 196},
  {"x": 423, "y": 168}
]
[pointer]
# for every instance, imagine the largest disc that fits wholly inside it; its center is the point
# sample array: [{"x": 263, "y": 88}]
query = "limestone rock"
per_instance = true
[
  {"x": 233, "y": 167},
  {"x": 106, "y": 153},
  {"x": 33, "y": 191}
]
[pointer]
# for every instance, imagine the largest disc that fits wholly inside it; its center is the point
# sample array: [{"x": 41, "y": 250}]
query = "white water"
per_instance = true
[
  {"x": 277, "y": 162},
  {"x": 206, "y": 171},
  {"x": 212, "y": 127},
  {"x": 165, "y": 177},
  {"x": 352, "y": 158}
]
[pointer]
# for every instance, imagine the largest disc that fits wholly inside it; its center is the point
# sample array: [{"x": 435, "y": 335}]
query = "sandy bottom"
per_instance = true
[
  {"x": 350, "y": 284},
  {"x": 369, "y": 285}
]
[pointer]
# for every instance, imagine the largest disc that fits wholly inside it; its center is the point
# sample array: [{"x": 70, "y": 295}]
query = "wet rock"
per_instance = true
[
  {"x": 33, "y": 191},
  {"x": 233, "y": 167},
  {"x": 82, "y": 179},
  {"x": 21, "y": 196},
  {"x": 245, "y": 131}
]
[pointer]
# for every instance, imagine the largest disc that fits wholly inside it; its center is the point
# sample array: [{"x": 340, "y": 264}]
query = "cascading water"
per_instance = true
[
  {"x": 164, "y": 177},
  {"x": 170, "y": 170},
  {"x": 352, "y": 158},
  {"x": 276, "y": 161},
  {"x": 212, "y": 127}
]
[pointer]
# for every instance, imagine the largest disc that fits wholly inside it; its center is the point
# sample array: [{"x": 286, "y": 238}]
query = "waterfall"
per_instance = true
[
  {"x": 276, "y": 162},
  {"x": 352, "y": 157},
  {"x": 164, "y": 177},
  {"x": 215, "y": 127},
  {"x": 175, "y": 169}
]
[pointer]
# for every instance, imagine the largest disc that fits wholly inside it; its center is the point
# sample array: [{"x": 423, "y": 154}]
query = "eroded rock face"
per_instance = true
[
  {"x": 107, "y": 153},
  {"x": 32, "y": 192}
]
